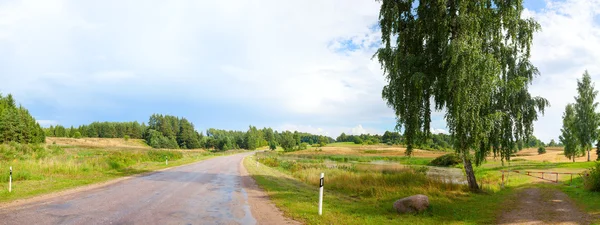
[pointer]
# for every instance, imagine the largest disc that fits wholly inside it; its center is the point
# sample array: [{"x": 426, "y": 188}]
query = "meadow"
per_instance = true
[
  {"x": 362, "y": 182},
  {"x": 65, "y": 163}
]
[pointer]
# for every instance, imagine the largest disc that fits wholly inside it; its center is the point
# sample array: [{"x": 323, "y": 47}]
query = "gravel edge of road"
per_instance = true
[{"x": 263, "y": 210}]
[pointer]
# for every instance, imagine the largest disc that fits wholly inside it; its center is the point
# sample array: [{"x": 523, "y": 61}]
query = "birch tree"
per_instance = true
[{"x": 468, "y": 58}]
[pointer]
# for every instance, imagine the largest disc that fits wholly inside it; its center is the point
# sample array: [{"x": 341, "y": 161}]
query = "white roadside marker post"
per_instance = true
[
  {"x": 321, "y": 193},
  {"x": 166, "y": 160},
  {"x": 10, "y": 181}
]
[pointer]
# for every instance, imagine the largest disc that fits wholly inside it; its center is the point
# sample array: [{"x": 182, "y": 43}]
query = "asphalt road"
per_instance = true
[{"x": 207, "y": 192}]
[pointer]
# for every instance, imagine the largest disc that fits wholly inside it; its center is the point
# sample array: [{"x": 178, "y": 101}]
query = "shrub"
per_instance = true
[
  {"x": 126, "y": 137},
  {"x": 591, "y": 182},
  {"x": 541, "y": 150},
  {"x": 269, "y": 161},
  {"x": 77, "y": 135},
  {"x": 446, "y": 160},
  {"x": 272, "y": 145},
  {"x": 303, "y": 146},
  {"x": 358, "y": 140}
]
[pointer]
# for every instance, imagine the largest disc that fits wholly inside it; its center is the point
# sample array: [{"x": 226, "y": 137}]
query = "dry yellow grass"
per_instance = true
[
  {"x": 378, "y": 150},
  {"x": 553, "y": 154},
  {"x": 98, "y": 142}
]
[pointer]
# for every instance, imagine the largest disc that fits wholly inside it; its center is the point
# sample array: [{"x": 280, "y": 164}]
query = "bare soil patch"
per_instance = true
[{"x": 543, "y": 206}]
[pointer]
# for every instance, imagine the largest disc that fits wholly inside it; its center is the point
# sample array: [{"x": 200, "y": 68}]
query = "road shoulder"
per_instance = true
[{"x": 263, "y": 210}]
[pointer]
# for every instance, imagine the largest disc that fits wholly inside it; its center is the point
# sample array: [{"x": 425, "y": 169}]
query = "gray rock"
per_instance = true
[{"x": 412, "y": 204}]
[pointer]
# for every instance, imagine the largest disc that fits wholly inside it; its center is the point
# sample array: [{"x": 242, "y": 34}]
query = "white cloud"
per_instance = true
[
  {"x": 331, "y": 131},
  {"x": 282, "y": 57},
  {"x": 439, "y": 131},
  {"x": 568, "y": 44},
  {"x": 358, "y": 130},
  {"x": 276, "y": 54}
]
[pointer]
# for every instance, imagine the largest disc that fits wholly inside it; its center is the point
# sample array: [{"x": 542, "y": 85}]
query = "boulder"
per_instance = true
[{"x": 412, "y": 204}]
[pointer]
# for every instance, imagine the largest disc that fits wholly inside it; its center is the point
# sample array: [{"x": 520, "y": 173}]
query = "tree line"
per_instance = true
[
  {"x": 167, "y": 131},
  {"x": 99, "y": 130},
  {"x": 17, "y": 125},
  {"x": 439, "y": 141}
]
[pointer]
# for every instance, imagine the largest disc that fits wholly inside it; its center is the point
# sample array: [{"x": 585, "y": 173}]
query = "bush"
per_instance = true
[
  {"x": 446, "y": 160},
  {"x": 303, "y": 146},
  {"x": 269, "y": 161},
  {"x": 591, "y": 182},
  {"x": 77, "y": 135},
  {"x": 541, "y": 150},
  {"x": 358, "y": 141},
  {"x": 126, "y": 137}
]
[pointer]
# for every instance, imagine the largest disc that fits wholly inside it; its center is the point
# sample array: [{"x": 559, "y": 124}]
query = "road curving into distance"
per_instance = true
[{"x": 207, "y": 192}]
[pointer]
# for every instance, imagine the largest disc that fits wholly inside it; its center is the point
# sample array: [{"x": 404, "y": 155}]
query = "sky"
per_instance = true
[{"x": 290, "y": 65}]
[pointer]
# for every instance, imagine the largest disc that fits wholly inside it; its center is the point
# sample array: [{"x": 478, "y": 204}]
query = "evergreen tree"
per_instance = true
[
  {"x": 186, "y": 137},
  {"x": 17, "y": 125}
]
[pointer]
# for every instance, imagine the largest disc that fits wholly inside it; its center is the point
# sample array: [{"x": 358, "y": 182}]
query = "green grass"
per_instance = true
[
  {"x": 342, "y": 144},
  {"x": 360, "y": 192},
  {"x": 39, "y": 169},
  {"x": 354, "y": 158},
  {"x": 355, "y": 195}
]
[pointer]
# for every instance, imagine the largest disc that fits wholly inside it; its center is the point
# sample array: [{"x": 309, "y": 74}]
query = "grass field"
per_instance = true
[
  {"x": 362, "y": 182},
  {"x": 356, "y": 195},
  {"x": 66, "y": 163}
]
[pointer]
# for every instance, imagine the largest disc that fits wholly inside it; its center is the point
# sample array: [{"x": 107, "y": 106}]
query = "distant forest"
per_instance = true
[{"x": 166, "y": 131}]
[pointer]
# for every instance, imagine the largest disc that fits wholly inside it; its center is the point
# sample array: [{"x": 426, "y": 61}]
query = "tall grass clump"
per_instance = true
[
  {"x": 362, "y": 180},
  {"x": 591, "y": 181},
  {"x": 161, "y": 155}
]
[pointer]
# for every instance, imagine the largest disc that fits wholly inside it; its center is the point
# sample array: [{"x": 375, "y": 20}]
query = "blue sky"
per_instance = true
[{"x": 303, "y": 65}]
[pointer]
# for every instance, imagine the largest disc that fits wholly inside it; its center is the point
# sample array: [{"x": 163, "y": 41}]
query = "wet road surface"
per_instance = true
[{"x": 207, "y": 192}]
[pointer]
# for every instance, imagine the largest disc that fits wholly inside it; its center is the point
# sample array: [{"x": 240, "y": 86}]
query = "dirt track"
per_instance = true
[
  {"x": 207, "y": 192},
  {"x": 543, "y": 206}
]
